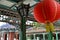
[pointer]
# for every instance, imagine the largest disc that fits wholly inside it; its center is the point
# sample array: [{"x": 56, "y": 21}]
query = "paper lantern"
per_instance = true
[
  {"x": 46, "y": 10},
  {"x": 58, "y": 12}
]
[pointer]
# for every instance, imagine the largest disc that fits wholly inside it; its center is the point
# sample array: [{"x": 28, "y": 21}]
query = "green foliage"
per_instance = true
[{"x": 36, "y": 24}]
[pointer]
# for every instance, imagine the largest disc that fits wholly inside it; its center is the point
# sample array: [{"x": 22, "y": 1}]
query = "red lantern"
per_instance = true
[
  {"x": 46, "y": 10},
  {"x": 58, "y": 12}
]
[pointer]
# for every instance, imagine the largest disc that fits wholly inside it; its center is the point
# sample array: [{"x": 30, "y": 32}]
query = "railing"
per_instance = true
[{"x": 43, "y": 36}]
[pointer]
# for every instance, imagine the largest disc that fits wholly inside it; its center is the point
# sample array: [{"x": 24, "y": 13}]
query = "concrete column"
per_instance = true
[
  {"x": 38, "y": 38},
  {"x": 5, "y": 36},
  {"x": 34, "y": 36},
  {"x": 43, "y": 36},
  {"x": 11, "y": 36},
  {"x": 28, "y": 37},
  {"x": 56, "y": 36}
]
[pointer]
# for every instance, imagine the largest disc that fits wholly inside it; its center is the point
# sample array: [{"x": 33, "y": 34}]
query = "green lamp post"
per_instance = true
[{"x": 23, "y": 10}]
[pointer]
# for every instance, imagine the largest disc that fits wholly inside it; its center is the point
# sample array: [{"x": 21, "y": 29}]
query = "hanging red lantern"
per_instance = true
[{"x": 46, "y": 10}]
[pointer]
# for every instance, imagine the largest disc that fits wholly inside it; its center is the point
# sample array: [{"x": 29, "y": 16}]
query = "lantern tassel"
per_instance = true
[{"x": 50, "y": 27}]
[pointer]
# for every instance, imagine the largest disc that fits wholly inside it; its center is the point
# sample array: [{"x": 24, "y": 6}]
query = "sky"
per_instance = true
[{"x": 2, "y": 23}]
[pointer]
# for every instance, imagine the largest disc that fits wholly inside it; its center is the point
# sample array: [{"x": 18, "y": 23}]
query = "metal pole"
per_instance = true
[
  {"x": 23, "y": 29},
  {"x": 50, "y": 36},
  {"x": 23, "y": 12}
]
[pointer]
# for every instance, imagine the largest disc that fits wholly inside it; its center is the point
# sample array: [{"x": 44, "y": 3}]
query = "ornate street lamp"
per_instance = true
[{"x": 23, "y": 10}]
